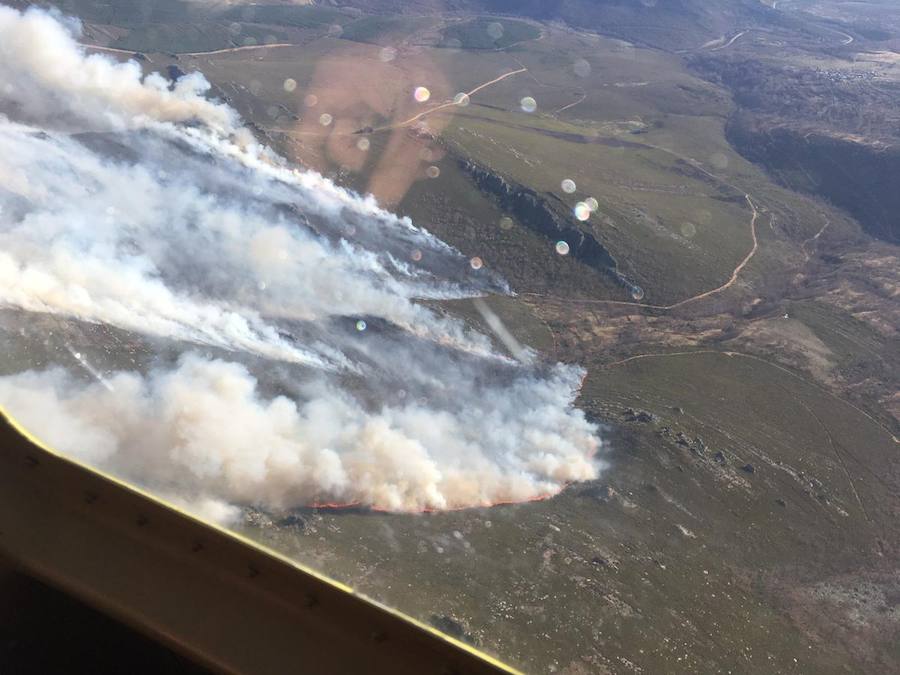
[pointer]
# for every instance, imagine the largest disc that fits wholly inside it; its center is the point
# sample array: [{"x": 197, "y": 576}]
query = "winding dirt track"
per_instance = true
[
  {"x": 730, "y": 42},
  {"x": 407, "y": 122},
  {"x": 705, "y": 294},
  {"x": 571, "y": 105},
  {"x": 111, "y": 50},
  {"x": 227, "y": 50},
  {"x": 246, "y": 48},
  {"x": 738, "y": 269},
  {"x": 813, "y": 239},
  {"x": 449, "y": 104}
]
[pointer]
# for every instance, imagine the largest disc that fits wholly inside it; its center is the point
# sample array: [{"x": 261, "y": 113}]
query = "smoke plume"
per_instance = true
[{"x": 293, "y": 362}]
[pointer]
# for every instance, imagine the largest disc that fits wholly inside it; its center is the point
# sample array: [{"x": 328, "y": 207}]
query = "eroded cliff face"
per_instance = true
[
  {"x": 859, "y": 176},
  {"x": 540, "y": 215}
]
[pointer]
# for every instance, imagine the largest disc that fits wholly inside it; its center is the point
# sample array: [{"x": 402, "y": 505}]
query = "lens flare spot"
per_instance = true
[
  {"x": 310, "y": 100},
  {"x": 361, "y": 325},
  {"x": 582, "y": 68},
  {"x": 495, "y": 30},
  {"x": 528, "y": 104},
  {"x": 568, "y": 186},
  {"x": 688, "y": 230},
  {"x": 719, "y": 160},
  {"x": 476, "y": 263},
  {"x": 506, "y": 223},
  {"x": 416, "y": 255},
  {"x": 421, "y": 94},
  {"x": 432, "y": 172},
  {"x": 562, "y": 248},
  {"x": 637, "y": 292},
  {"x": 290, "y": 84},
  {"x": 325, "y": 119},
  {"x": 592, "y": 204},
  {"x": 363, "y": 144},
  {"x": 582, "y": 211},
  {"x": 461, "y": 99}
]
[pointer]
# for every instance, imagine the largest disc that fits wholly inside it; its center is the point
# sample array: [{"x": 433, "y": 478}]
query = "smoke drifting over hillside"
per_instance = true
[{"x": 308, "y": 371}]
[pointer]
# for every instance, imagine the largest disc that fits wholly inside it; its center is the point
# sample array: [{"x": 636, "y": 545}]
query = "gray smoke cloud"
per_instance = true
[{"x": 309, "y": 370}]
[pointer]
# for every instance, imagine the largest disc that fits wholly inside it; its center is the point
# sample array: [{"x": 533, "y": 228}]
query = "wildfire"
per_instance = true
[{"x": 344, "y": 506}]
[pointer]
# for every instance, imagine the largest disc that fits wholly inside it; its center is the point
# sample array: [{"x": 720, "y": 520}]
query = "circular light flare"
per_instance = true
[
  {"x": 421, "y": 94},
  {"x": 461, "y": 99},
  {"x": 476, "y": 263},
  {"x": 290, "y": 84},
  {"x": 432, "y": 172},
  {"x": 361, "y": 325},
  {"x": 528, "y": 104},
  {"x": 719, "y": 160},
  {"x": 325, "y": 119},
  {"x": 562, "y": 247},
  {"x": 592, "y": 204},
  {"x": 363, "y": 144},
  {"x": 568, "y": 186},
  {"x": 582, "y": 211},
  {"x": 416, "y": 255}
]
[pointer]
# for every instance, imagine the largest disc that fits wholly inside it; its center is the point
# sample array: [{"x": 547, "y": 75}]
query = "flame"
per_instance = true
[{"x": 345, "y": 506}]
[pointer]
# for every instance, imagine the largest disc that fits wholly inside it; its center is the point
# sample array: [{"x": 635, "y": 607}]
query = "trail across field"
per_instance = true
[
  {"x": 414, "y": 118},
  {"x": 730, "y": 42},
  {"x": 571, "y": 105},
  {"x": 226, "y": 50},
  {"x": 449, "y": 104},
  {"x": 705, "y": 294}
]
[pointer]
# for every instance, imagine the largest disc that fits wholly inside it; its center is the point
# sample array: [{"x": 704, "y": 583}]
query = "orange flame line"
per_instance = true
[{"x": 338, "y": 506}]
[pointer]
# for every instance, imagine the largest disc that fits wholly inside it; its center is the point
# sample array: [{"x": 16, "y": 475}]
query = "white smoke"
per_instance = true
[
  {"x": 115, "y": 212},
  {"x": 205, "y": 427},
  {"x": 45, "y": 73}
]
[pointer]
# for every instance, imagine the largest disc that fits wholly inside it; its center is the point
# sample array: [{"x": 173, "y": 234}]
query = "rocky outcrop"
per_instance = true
[{"x": 538, "y": 214}]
